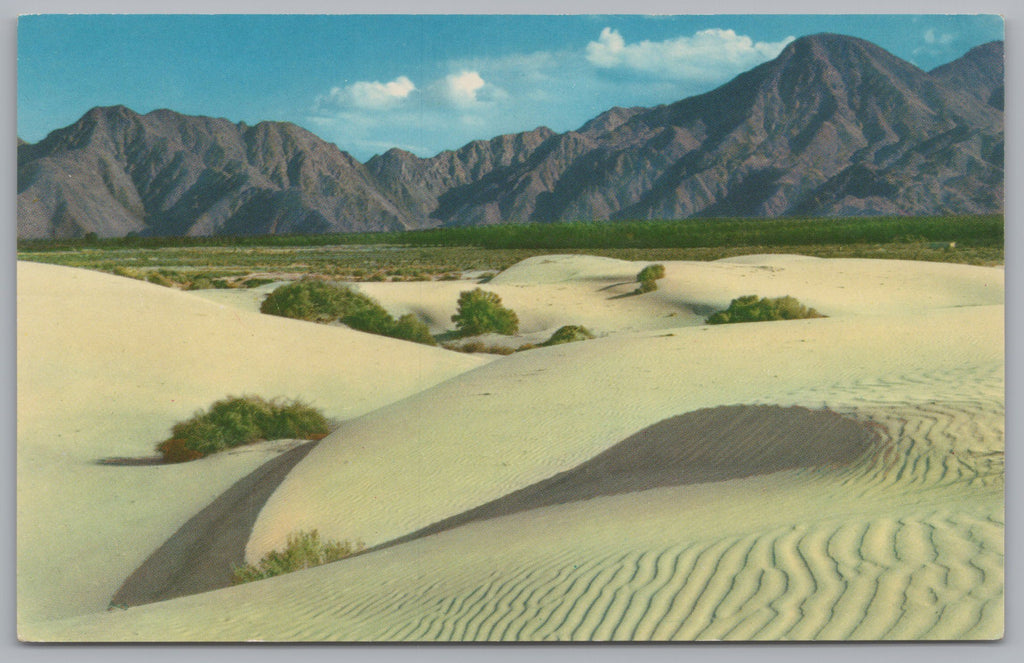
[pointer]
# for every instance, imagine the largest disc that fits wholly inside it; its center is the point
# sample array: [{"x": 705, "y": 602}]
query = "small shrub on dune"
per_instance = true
[
  {"x": 410, "y": 328},
  {"x": 471, "y": 347},
  {"x": 303, "y": 550},
  {"x": 308, "y": 299},
  {"x": 175, "y": 451},
  {"x": 159, "y": 279},
  {"x": 647, "y": 277},
  {"x": 236, "y": 421},
  {"x": 569, "y": 334},
  {"x": 750, "y": 308},
  {"x": 481, "y": 312},
  {"x": 319, "y": 301}
]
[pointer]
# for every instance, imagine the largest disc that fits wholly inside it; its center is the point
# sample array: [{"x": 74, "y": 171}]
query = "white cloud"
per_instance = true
[
  {"x": 461, "y": 88},
  {"x": 367, "y": 95},
  {"x": 943, "y": 39},
  {"x": 706, "y": 55},
  {"x": 465, "y": 90}
]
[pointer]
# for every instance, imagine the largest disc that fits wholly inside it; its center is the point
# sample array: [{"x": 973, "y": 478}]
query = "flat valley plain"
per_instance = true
[{"x": 838, "y": 478}]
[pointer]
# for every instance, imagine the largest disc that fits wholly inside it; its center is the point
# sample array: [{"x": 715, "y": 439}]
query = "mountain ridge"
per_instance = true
[{"x": 833, "y": 126}]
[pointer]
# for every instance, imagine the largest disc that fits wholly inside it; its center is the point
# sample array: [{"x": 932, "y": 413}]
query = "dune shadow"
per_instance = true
[
  {"x": 615, "y": 285},
  {"x": 202, "y": 554},
  {"x": 120, "y": 461},
  {"x": 716, "y": 444}
]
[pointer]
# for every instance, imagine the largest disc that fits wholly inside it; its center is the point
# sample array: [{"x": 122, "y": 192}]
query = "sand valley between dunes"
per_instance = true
[{"x": 825, "y": 479}]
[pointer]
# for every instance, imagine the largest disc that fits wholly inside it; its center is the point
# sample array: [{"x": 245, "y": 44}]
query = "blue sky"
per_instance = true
[{"x": 422, "y": 83}]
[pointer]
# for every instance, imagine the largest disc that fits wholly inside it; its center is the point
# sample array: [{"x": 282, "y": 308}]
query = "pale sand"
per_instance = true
[
  {"x": 106, "y": 365},
  {"x": 905, "y": 543}
]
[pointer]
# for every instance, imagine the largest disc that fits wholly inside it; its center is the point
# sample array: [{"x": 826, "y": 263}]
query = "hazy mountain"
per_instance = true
[{"x": 833, "y": 126}]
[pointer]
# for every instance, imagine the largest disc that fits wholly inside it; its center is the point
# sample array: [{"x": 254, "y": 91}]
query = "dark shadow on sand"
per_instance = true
[
  {"x": 203, "y": 553},
  {"x": 716, "y": 444}
]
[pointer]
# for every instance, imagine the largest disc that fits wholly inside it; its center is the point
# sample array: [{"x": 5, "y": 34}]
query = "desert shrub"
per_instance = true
[
  {"x": 410, "y": 328},
  {"x": 569, "y": 334},
  {"x": 160, "y": 279},
  {"x": 303, "y": 550},
  {"x": 319, "y": 301},
  {"x": 371, "y": 318},
  {"x": 751, "y": 309},
  {"x": 234, "y": 421},
  {"x": 200, "y": 283},
  {"x": 175, "y": 451},
  {"x": 120, "y": 270},
  {"x": 651, "y": 273},
  {"x": 309, "y": 299},
  {"x": 474, "y": 346},
  {"x": 647, "y": 277},
  {"x": 481, "y": 312},
  {"x": 256, "y": 282}
]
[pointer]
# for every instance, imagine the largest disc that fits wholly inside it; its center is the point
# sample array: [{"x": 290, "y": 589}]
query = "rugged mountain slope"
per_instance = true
[
  {"x": 115, "y": 172},
  {"x": 833, "y": 126},
  {"x": 417, "y": 183},
  {"x": 980, "y": 73}
]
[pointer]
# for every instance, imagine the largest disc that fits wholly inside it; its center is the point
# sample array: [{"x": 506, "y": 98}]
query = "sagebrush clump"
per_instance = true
[
  {"x": 647, "y": 277},
  {"x": 750, "y": 308},
  {"x": 234, "y": 421},
  {"x": 569, "y": 334},
  {"x": 320, "y": 301},
  {"x": 302, "y": 551},
  {"x": 481, "y": 312}
]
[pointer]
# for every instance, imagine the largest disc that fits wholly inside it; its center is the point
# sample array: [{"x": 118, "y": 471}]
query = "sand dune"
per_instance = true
[
  {"x": 106, "y": 365},
  {"x": 527, "y": 417},
  {"x": 900, "y": 540},
  {"x": 816, "y": 555}
]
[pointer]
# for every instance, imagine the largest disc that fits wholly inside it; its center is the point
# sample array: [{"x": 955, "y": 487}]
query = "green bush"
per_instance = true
[
  {"x": 302, "y": 551},
  {"x": 471, "y": 347},
  {"x": 235, "y": 421},
  {"x": 481, "y": 312},
  {"x": 651, "y": 273},
  {"x": 410, "y": 328},
  {"x": 751, "y": 309},
  {"x": 319, "y": 301},
  {"x": 569, "y": 334},
  {"x": 311, "y": 299},
  {"x": 647, "y": 277}
]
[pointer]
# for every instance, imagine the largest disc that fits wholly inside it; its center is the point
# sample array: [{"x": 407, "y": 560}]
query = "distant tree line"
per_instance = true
[{"x": 976, "y": 231}]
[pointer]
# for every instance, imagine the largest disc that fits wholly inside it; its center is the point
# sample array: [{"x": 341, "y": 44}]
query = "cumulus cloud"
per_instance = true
[
  {"x": 367, "y": 95},
  {"x": 465, "y": 90},
  {"x": 708, "y": 54}
]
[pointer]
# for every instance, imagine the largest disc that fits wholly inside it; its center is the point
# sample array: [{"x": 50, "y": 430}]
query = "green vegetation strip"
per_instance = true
[
  {"x": 447, "y": 253},
  {"x": 977, "y": 230}
]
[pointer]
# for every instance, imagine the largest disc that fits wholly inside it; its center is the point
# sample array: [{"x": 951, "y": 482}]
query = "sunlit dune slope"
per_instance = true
[
  {"x": 106, "y": 365},
  {"x": 527, "y": 417},
  {"x": 904, "y": 542}
]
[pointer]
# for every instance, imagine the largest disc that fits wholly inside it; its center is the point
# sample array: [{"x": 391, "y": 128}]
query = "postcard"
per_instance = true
[{"x": 518, "y": 328}]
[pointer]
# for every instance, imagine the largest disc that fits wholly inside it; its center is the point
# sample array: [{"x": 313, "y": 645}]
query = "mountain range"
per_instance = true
[{"x": 833, "y": 126}]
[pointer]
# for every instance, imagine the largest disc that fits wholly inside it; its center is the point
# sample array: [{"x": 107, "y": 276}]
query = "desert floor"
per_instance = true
[{"x": 825, "y": 479}]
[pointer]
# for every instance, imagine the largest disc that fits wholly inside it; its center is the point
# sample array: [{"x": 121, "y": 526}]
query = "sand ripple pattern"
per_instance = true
[
  {"x": 933, "y": 575},
  {"x": 930, "y": 570}
]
